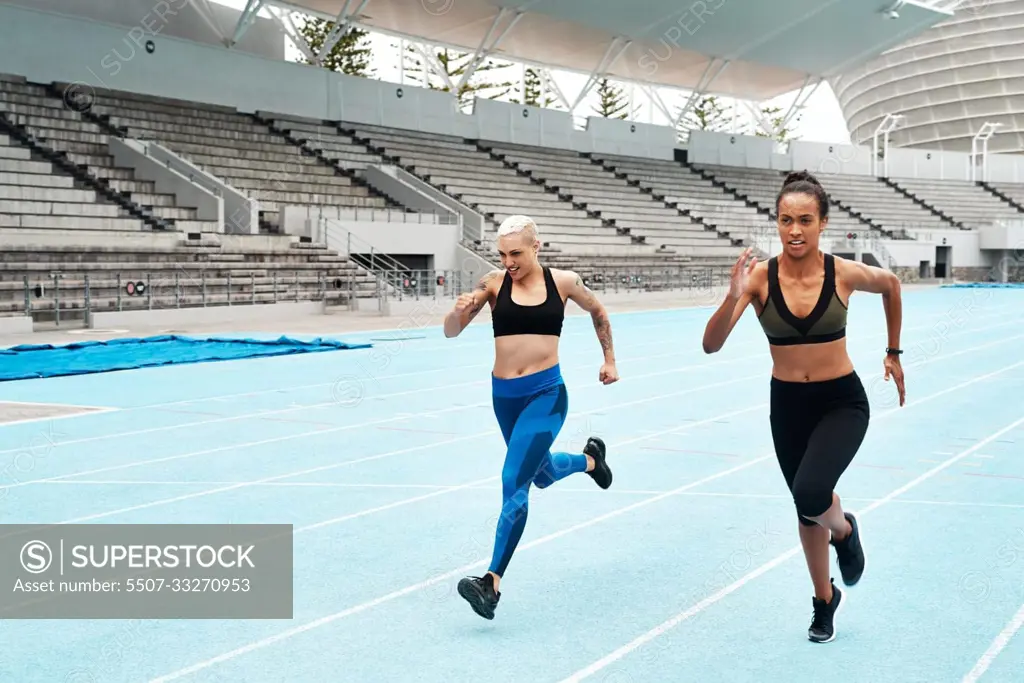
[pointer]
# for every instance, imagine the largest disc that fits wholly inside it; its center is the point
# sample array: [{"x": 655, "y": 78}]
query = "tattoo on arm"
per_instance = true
[
  {"x": 485, "y": 282},
  {"x": 602, "y": 325}
]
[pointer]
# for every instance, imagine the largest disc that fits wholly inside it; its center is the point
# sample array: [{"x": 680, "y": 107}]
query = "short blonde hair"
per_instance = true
[{"x": 518, "y": 224}]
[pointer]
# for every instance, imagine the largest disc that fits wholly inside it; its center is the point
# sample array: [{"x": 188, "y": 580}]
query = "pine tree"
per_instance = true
[
  {"x": 612, "y": 103},
  {"x": 775, "y": 117},
  {"x": 350, "y": 55},
  {"x": 454, "y": 64},
  {"x": 531, "y": 82},
  {"x": 708, "y": 114}
]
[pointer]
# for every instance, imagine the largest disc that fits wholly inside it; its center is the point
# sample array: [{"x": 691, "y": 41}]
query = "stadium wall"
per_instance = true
[
  {"x": 82, "y": 53},
  {"x": 822, "y": 158}
]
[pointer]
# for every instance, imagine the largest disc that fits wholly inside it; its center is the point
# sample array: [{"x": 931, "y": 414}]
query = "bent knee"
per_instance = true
[{"x": 812, "y": 500}]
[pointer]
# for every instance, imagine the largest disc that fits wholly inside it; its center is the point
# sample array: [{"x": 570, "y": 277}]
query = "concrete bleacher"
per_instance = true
[
  {"x": 83, "y": 143},
  {"x": 243, "y": 151},
  {"x": 968, "y": 204},
  {"x": 691, "y": 192},
  {"x": 611, "y": 198},
  {"x": 34, "y": 195},
  {"x": 576, "y": 238},
  {"x": 1012, "y": 191},
  {"x": 881, "y": 203},
  {"x": 598, "y": 213},
  {"x": 761, "y": 186}
]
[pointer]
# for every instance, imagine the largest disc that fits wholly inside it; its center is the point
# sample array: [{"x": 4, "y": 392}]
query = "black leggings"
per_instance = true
[{"x": 817, "y": 428}]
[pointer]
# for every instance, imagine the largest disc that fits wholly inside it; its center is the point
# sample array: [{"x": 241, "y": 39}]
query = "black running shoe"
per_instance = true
[
  {"x": 602, "y": 474},
  {"x": 479, "y": 593},
  {"x": 850, "y": 553},
  {"x": 823, "y": 627}
]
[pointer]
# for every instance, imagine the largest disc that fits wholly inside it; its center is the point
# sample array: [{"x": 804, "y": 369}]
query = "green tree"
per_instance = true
[
  {"x": 775, "y": 117},
  {"x": 454, "y": 64},
  {"x": 612, "y": 101},
  {"x": 531, "y": 82},
  {"x": 708, "y": 114},
  {"x": 350, "y": 55}
]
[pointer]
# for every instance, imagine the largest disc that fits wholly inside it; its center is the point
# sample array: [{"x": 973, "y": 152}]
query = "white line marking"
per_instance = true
[
  {"x": 589, "y": 491},
  {"x": 669, "y": 624},
  {"x": 616, "y": 445},
  {"x": 1000, "y": 642},
  {"x": 411, "y": 449},
  {"x": 437, "y": 579},
  {"x": 288, "y": 437},
  {"x": 402, "y": 451},
  {"x": 396, "y": 417},
  {"x": 284, "y": 635},
  {"x": 257, "y": 415},
  {"x": 329, "y": 430}
]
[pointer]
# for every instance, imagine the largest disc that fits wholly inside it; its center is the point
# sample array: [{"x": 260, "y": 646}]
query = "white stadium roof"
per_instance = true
[{"x": 748, "y": 49}]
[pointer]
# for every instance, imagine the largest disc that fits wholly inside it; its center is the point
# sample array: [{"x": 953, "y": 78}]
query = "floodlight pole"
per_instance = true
[
  {"x": 988, "y": 129},
  {"x": 888, "y": 124}
]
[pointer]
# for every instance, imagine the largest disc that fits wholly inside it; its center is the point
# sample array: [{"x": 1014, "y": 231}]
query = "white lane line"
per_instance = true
[
  {"x": 669, "y": 624},
  {"x": 284, "y": 635},
  {"x": 997, "y": 646}
]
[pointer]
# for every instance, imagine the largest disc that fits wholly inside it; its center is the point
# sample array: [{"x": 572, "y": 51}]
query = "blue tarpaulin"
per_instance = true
[{"x": 29, "y": 361}]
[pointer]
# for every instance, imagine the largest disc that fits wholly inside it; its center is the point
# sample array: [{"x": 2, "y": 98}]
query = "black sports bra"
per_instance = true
[
  {"x": 825, "y": 323},
  {"x": 509, "y": 318}
]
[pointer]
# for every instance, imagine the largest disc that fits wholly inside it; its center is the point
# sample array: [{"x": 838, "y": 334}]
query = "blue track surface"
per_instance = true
[{"x": 387, "y": 461}]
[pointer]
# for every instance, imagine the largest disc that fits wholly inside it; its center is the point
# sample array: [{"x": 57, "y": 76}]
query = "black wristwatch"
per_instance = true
[{"x": 889, "y": 351}]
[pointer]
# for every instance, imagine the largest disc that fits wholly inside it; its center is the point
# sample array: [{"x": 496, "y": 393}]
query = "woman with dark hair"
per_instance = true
[{"x": 819, "y": 409}]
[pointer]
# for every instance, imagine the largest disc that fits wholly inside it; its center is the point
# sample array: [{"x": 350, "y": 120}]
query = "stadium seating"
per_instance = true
[
  {"x": 762, "y": 186},
  {"x": 60, "y": 129},
  {"x": 711, "y": 207},
  {"x": 602, "y": 215},
  {"x": 968, "y": 204},
  {"x": 611, "y": 198},
  {"x": 497, "y": 189},
  {"x": 34, "y": 195},
  {"x": 882, "y": 204},
  {"x": 239, "y": 149},
  {"x": 1014, "y": 192}
]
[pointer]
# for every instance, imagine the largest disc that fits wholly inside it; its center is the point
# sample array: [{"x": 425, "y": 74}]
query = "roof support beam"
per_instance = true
[
  {"x": 602, "y": 68},
  {"x": 487, "y": 47},
  {"x": 767, "y": 127},
  {"x": 252, "y": 8},
  {"x": 284, "y": 20},
  {"x": 656, "y": 100},
  {"x": 341, "y": 26},
  {"x": 545, "y": 78},
  {"x": 430, "y": 60},
  {"x": 702, "y": 87}
]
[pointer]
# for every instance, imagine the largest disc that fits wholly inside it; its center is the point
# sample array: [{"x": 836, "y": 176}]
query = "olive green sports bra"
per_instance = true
[{"x": 826, "y": 322}]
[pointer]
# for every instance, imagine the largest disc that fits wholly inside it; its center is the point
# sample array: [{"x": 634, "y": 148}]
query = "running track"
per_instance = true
[{"x": 387, "y": 463}]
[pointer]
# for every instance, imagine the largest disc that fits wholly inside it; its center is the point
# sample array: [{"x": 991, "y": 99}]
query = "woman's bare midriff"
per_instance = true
[
  {"x": 811, "y": 362},
  {"x": 524, "y": 354}
]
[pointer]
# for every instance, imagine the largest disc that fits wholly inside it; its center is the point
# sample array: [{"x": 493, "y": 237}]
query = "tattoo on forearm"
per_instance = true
[{"x": 603, "y": 327}]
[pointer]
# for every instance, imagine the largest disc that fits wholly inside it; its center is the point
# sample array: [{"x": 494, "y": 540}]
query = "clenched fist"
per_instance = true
[{"x": 465, "y": 302}]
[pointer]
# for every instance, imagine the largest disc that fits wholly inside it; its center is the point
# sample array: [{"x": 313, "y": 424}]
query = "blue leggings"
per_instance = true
[{"x": 531, "y": 411}]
